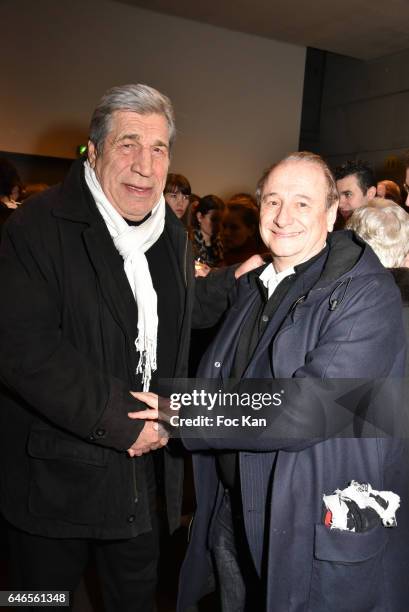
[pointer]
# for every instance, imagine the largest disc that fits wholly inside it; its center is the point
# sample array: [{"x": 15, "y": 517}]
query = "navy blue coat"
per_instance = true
[{"x": 308, "y": 566}]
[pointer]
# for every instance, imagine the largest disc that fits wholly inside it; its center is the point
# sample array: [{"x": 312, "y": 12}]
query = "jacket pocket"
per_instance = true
[
  {"x": 347, "y": 573},
  {"x": 67, "y": 477}
]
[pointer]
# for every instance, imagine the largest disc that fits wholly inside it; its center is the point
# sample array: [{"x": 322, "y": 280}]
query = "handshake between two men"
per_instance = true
[{"x": 153, "y": 434}]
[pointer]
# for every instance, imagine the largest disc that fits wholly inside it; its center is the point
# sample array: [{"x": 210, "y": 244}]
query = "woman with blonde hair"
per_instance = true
[{"x": 386, "y": 230}]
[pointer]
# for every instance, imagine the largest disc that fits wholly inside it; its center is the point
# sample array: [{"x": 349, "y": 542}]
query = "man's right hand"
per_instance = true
[{"x": 151, "y": 438}]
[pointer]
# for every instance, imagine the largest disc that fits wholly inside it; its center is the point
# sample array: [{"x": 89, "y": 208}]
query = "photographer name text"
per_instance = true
[{"x": 218, "y": 421}]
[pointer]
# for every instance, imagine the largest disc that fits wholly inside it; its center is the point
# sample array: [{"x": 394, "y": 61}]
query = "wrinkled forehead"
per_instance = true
[
  {"x": 292, "y": 178},
  {"x": 129, "y": 123}
]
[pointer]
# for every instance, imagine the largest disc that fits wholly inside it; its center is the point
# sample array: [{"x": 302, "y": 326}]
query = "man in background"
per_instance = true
[{"x": 356, "y": 185}]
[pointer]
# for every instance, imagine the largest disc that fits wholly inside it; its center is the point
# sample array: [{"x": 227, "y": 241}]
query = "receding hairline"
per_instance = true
[
  {"x": 286, "y": 162},
  {"x": 332, "y": 196}
]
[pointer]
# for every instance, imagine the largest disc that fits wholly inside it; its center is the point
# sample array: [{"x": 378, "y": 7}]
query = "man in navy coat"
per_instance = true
[{"x": 325, "y": 308}]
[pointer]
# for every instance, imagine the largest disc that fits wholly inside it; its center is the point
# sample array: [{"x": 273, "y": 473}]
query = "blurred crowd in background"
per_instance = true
[{"x": 225, "y": 232}]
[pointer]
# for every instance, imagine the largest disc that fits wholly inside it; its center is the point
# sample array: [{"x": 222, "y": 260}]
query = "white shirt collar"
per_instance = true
[{"x": 271, "y": 279}]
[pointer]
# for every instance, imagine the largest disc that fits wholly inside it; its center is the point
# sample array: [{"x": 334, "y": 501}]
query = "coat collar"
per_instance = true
[
  {"x": 75, "y": 201},
  {"x": 347, "y": 251},
  {"x": 348, "y": 255}
]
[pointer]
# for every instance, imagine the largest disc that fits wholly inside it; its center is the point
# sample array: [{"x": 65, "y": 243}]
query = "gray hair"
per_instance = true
[
  {"x": 137, "y": 98},
  {"x": 305, "y": 156},
  {"x": 385, "y": 229}
]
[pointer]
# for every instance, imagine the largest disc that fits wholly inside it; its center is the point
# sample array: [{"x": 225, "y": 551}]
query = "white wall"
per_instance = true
[{"x": 237, "y": 97}]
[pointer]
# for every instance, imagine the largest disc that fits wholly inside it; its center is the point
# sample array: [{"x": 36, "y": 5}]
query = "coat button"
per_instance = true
[
  {"x": 91, "y": 438},
  {"x": 100, "y": 433},
  {"x": 217, "y": 364},
  {"x": 131, "y": 518},
  {"x": 264, "y": 318}
]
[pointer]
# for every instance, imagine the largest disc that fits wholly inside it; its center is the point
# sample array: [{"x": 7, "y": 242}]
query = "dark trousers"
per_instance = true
[
  {"x": 239, "y": 585},
  {"x": 127, "y": 568}
]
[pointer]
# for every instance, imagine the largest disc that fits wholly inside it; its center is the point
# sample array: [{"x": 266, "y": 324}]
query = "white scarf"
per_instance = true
[{"x": 132, "y": 242}]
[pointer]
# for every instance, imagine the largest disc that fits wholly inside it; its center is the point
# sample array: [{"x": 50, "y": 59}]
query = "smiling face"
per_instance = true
[
  {"x": 133, "y": 164},
  {"x": 294, "y": 219}
]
